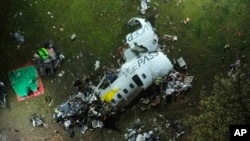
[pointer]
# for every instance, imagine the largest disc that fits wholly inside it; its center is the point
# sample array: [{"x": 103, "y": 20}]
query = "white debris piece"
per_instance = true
[
  {"x": 181, "y": 62},
  {"x": 178, "y": 82},
  {"x": 170, "y": 37},
  {"x": 97, "y": 65},
  {"x": 144, "y": 6},
  {"x": 140, "y": 137},
  {"x": 61, "y": 73},
  {"x": 188, "y": 80},
  {"x": 73, "y": 36},
  {"x": 84, "y": 129},
  {"x": 67, "y": 123},
  {"x": 169, "y": 91}
]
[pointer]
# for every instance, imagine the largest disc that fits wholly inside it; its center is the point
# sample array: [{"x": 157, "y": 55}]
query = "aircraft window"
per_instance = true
[
  {"x": 143, "y": 76},
  {"x": 119, "y": 96},
  {"x": 137, "y": 80},
  {"x": 125, "y": 91},
  {"x": 113, "y": 101},
  {"x": 131, "y": 86}
]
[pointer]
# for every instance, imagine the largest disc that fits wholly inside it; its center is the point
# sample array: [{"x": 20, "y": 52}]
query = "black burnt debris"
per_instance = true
[
  {"x": 83, "y": 110},
  {"x": 3, "y": 94},
  {"x": 37, "y": 121},
  {"x": 139, "y": 132}
]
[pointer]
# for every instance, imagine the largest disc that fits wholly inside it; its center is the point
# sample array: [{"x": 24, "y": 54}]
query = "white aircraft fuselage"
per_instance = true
[{"x": 134, "y": 76}]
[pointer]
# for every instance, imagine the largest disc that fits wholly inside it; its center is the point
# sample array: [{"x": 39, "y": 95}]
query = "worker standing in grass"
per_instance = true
[{"x": 48, "y": 58}]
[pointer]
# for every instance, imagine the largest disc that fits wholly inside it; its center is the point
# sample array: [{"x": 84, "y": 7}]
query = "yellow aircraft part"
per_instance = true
[{"x": 110, "y": 94}]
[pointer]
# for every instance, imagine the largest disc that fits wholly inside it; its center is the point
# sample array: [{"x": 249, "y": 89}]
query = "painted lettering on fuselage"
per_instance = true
[
  {"x": 137, "y": 33},
  {"x": 139, "y": 63}
]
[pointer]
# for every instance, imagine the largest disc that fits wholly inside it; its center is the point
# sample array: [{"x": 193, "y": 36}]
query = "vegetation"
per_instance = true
[{"x": 228, "y": 103}]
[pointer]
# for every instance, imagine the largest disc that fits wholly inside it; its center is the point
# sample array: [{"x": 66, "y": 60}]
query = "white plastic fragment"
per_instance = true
[
  {"x": 84, "y": 129},
  {"x": 181, "y": 62},
  {"x": 61, "y": 73},
  {"x": 97, "y": 65},
  {"x": 73, "y": 36},
  {"x": 144, "y": 6},
  {"x": 170, "y": 37},
  {"x": 140, "y": 137},
  {"x": 175, "y": 38},
  {"x": 186, "y": 20}
]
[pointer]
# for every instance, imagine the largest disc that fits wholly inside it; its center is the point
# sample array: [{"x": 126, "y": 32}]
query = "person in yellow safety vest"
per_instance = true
[
  {"x": 50, "y": 51},
  {"x": 43, "y": 53}
]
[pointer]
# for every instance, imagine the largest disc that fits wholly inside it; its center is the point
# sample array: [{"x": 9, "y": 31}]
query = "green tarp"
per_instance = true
[{"x": 24, "y": 80}]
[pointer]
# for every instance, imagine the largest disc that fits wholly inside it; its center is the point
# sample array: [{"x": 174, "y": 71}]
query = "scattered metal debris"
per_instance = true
[
  {"x": 83, "y": 110},
  {"x": 234, "y": 69},
  {"x": 18, "y": 37},
  {"x": 177, "y": 126},
  {"x": 177, "y": 83},
  {"x": 186, "y": 20},
  {"x": 3, "y": 95},
  {"x": 226, "y": 47},
  {"x": 182, "y": 63},
  {"x": 37, "y": 120},
  {"x": 144, "y": 6},
  {"x": 138, "y": 133},
  {"x": 179, "y": 2},
  {"x": 73, "y": 37},
  {"x": 97, "y": 65},
  {"x": 91, "y": 106},
  {"x": 170, "y": 37},
  {"x": 61, "y": 73},
  {"x": 173, "y": 86}
]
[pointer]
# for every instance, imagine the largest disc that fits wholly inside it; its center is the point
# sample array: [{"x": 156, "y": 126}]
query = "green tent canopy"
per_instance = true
[{"x": 24, "y": 80}]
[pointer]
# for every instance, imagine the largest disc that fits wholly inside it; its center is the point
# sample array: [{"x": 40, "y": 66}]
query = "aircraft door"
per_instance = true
[
  {"x": 137, "y": 80},
  {"x": 143, "y": 80}
]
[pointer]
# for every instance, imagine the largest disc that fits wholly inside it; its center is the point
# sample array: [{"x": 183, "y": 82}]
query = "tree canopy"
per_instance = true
[{"x": 227, "y": 103}]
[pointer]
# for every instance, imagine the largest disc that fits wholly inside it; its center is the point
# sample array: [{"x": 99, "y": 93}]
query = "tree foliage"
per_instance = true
[{"x": 227, "y": 103}]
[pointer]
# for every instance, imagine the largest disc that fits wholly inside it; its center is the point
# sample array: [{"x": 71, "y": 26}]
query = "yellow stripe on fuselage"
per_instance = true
[{"x": 109, "y": 95}]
